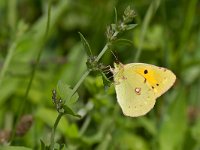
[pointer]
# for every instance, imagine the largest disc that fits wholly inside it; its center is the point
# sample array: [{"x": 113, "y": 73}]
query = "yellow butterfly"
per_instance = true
[{"x": 138, "y": 85}]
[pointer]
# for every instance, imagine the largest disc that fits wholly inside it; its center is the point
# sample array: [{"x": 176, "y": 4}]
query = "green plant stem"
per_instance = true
[
  {"x": 150, "y": 12},
  {"x": 12, "y": 14},
  {"x": 85, "y": 125},
  {"x": 102, "y": 52},
  {"x": 7, "y": 61},
  {"x": 106, "y": 47},
  {"x": 88, "y": 71},
  {"x": 54, "y": 129},
  {"x": 80, "y": 82},
  {"x": 33, "y": 71}
]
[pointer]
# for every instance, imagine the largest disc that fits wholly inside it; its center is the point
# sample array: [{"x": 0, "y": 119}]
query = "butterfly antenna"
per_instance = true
[
  {"x": 111, "y": 77},
  {"x": 105, "y": 68},
  {"x": 117, "y": 60}
]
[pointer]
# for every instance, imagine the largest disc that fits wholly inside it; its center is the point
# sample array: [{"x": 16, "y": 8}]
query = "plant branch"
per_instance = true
[
  {"x": 106, "y": 47},
  {"x": 54, "y": 129},
  {"x": 75, "y": 89}
]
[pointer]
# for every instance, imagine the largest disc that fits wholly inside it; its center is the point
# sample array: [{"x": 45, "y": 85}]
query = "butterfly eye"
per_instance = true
[
  {"x": 145, "y": 71},
  {"x": 157, "y": 84}
]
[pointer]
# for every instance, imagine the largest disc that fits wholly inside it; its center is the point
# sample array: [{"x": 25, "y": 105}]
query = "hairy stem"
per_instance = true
[{"x": 54, "y": 129}]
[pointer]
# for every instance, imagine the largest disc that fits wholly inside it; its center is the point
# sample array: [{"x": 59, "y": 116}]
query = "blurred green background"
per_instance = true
[{"x": 170, "y": 35}]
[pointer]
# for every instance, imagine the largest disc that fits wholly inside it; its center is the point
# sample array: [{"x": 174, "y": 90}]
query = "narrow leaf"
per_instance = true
[
  {"x": 86, "y": 45},
  {"x": 125, "y": 41},
  {"x": 130, "y": 26},
  {"x": 175, "y": 123},
  {"x": 43, "y": 146},
  {"x": 14, "y": 148},
  {"x": 106, "y": 81},
  {"x": 116, "y": 17}
]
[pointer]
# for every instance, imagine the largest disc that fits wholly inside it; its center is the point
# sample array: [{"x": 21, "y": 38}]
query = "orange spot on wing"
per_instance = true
[{"x": 149, "y": 77}]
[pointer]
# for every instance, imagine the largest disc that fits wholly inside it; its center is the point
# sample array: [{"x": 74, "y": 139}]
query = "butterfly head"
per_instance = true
[{"x": 118, "y": 72}]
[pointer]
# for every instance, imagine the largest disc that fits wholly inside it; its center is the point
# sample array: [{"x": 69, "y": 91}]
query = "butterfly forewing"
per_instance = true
[{"x": 158, "y": 78}]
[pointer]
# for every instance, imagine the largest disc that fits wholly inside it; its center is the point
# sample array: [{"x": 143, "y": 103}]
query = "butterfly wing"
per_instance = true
[
  {"x": 133, "y": 95},
  {"x": 138, "y": 85},
  {"x": 158, "y": 78}
]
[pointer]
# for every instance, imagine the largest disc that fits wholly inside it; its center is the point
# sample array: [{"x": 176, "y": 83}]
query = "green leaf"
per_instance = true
[
  {"x": 66, "y": 93},
  {"x": 62, "y": 147},
  {"x": 85, "y": 45},
  {"x": 148, "y": 124},
  {"x": 195, "y": 131},
  {"x": 114, "y": 27},
  {"x": 69, "y": 111},
  {"x": 130, "y": 26},
  {"x": 64, "y": 90},
  {"x": 125, "y": 41},
  {"x": 193, "y": 71},
  {"x": 68, "y": 97},
  {"x": 105, "y": 143},
  {"x": 43, "y": 146},
  {"x": 116, "y": 17},
  {"x": 14, "y": 148},
  {"x": 73, "y": 99},
  {"x": 59, "y": 146},
  {"x": 9, "y": 85},
  {"x": 128, "y": 141},
  {"x": 174, "y": 123},
  {"x": 48, "y": 117},
  {"x": 106, "y": 81}
]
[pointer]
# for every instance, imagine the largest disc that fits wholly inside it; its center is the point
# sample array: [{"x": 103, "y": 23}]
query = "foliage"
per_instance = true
[{"x": 167, "y": 34}]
